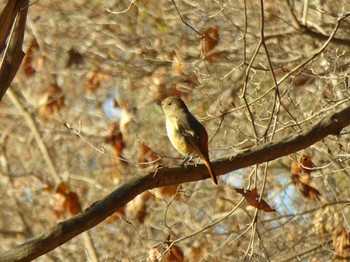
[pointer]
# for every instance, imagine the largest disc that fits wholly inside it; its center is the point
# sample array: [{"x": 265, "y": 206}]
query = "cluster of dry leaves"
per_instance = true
[{"x": 301, "y": 178}]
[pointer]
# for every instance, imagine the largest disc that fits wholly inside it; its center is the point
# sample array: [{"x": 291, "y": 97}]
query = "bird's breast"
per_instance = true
[{"x": 177, "y": 139}]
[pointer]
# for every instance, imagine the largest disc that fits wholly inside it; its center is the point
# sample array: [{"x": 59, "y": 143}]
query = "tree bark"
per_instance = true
[{"x": 13, "y": 55}]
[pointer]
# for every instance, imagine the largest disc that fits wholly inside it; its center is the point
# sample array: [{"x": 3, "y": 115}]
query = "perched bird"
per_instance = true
[{"x": 187, "y": 135}]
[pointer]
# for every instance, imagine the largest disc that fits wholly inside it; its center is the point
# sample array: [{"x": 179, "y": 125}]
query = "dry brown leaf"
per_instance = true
[
  {"x": 145, "y": 196},
  {"x": 155, "y": 253},
  {"x": 215, "y": 57},
  {"x": 190, "y": 80},
  {"x": 165, "y": 191},
  {"x": 72, "y": 203},
  {"x": 305, "y": 164},
  {"x": 341, "y": 242},
  {"x": 28, "y": 59},
  {"x": 94, "y": 80},
  {"x": 306, "y": 77},
  {"x": 306, "y": 188},
  {"x": 174, "y": 254},
  {"x": 147, "y": 157},
  {"x": 119, "y": 213},
  {"x": 116, "y": 139},
  {"x": 301, "y": 178},
  {"x": 64, "y": 200},
  {"x": 252, "y": 197},
  {"x": 51, "y": 102},
  {"x": 62, "y": 188},
  {"x": 198, "y": 249},
  {"x": 57, "y": 201},
  {"x": 295, "y": 168},
  {"x": 178, "y": 63},
  {"x": 74, "y": 58},
  {"x": 211, "y": 38},
  {"x": 138, "y": 208},
  {"x": 196, "y": 253}
]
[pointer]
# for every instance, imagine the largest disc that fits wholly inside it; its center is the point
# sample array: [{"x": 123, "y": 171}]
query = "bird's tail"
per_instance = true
[{"x": 211, "y": 171}]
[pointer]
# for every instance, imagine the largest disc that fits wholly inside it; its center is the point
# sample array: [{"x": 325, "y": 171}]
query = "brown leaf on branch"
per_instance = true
[
  {"x": 211, "y": 40},
  {"x": 34, "y": 61},
  {"x": 301, "y": 178},
  {"x": 305, "y": 164},
  {"x": 211, "y": 37},
  {"x": 252, "y": 197},
  {"x": 94, "y": 80},
  {"x": 306, "y": 186},
  {"x": 165, "y": 191},
  {"x": 197, "y": 249},
  {"x": 116, "y": 139},
  {"x": 63, "y": 200},
  {"x": 174, "y": 254},
  {"x": 29, "y": 70},
  {"x": 138, "y": 207},
  {"x": 72, "y": 203},
  {"x": 51, "y": 102},
  {"x": 155, "y": 253},
  {"x": 148, "y": 157},
  {"x": 119, "y": 213}
]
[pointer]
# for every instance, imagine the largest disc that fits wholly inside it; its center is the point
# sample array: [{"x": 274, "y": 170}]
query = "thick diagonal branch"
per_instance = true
[
  {"x": 96, "y": 213},
  {"x": 13, "y": 54}
]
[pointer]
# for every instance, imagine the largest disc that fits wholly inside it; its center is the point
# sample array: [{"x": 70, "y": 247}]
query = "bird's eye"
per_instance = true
[{"x": 170, "y": 103}]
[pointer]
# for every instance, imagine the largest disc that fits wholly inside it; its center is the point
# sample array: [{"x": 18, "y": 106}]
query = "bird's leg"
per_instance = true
[
  {"x": 187, "y": 160},
  {"x": 190, "y": 159}
]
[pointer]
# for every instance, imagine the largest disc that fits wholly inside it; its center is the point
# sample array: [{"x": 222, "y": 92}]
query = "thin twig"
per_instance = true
[
  {"x": 183, "y": 21},
  {"x": 38, "y": 138},
  {"x": 202, "y": 229}
]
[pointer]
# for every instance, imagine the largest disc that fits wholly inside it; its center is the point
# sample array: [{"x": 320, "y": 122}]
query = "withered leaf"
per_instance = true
[{"x": 252, "y": 197}]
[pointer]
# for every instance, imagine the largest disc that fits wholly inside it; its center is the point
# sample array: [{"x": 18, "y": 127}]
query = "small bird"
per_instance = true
[{"x": 187, "y": 135}]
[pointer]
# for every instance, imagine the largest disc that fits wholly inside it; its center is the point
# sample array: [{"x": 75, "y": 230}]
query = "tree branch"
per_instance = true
[
  {"x": 37, "y": 135},
  {"x": 97, "y": 212},
  {"x": 303, "y": 28},
  {"x": 8, "y": 14},
  {"x": 13, "y": 55}
]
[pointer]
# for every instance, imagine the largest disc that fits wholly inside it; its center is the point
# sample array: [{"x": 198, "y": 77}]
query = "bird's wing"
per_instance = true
[{"x": 198, "y": 139}]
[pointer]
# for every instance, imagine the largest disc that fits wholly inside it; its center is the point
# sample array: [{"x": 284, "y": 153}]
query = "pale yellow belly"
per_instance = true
[{"x": 177, "y": 140}]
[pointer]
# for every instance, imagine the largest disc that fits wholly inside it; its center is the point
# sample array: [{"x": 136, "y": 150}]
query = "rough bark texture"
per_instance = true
[
  {"x": 14, "y": 55},
  {"x": 96, "y": 213}
]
